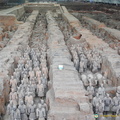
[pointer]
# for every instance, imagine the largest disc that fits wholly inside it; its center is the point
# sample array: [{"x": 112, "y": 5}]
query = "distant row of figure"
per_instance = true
[
  {"x": 85, "y": 58},
  {"x": 29, "y": 83}
]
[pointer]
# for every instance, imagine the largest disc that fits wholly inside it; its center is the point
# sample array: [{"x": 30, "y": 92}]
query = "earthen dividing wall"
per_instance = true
[
  {"x": 67, "y": 96},
  {"x": 10, "y": 55}
]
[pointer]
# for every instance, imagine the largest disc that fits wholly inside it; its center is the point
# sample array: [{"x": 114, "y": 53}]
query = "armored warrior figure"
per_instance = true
[
  {"x": 32, "y": 111},
  {"x": 17, "y": 115},
  {"x": 44, "y": 105},
  {"x": 40, "y": 89},
  {"x": 40, "y": 112},
  {"x": 84, "y": 80},
  {"x": 108, "y": 103},
  {"x": 23, "y": 111},
  {"x": 13, "y": 97},
  {"x": 13, "y": 83},
  {"x": 31, "y": 73},
  {"x": 101, "y": 91},
  {"x": 115, "y": 103},
  {"x": 90, "y": 90},
  {"x": 101, "y": 107},
  {"x": 9, "y": 108},
  {"x": 95, "y": 102},
  {"x": 45, "y": 71},
  {"x": 38, "y": 73},
  {"x": 28, "y": 99}
]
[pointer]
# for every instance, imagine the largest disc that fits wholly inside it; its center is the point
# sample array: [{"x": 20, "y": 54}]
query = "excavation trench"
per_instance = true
[
  {"x": 88, "y": 62},
  {"x": 29, "y": 79},
  {"x": 103, "y": 26}
]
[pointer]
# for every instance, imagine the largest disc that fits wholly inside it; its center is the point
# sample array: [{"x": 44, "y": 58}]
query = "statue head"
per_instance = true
[
  {"x": 21, "y": 102},
  {"x": 107, "y": 95},
  {"x": 42, "y": 101},
  {"x": 97, "y": 95},
  {"x": 102, "y": 85}
]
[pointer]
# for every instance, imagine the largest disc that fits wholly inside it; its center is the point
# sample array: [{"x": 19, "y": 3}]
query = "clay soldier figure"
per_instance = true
[
  {"x": 13, "y": 111},
  {"x": 23, "y": 111},
  {"x": 45, "y": 71},
  {"x": 21, "y": 95},
  {"x": 85, "y": 63},
  {"x": 22, "y": 86},
  {"x": 44, "y": 81},
  {"x": 84, "y": 80},
  {"x": 39, "y": 112},
  {"x": 32, "y": 111},
  {"x": 29, "y": 62},
  {"x": 13, "y": 83},
  {"x": 108, "y": 103},
  {"x": 81, "y": 69},
  {"x": 115, "y": 103},
  {"x": 39, "y": 79},
  {"x": 38, "y": 73},
  {"x": 9, "y": 108},
  {"x": 99, "y": 78},
  {"x": 90, "y": 90},
  {"x": 17, "y": 115},
  {"x": 43, "y": 112},
  {"x": 44, "y": 105},
  {"x": 95, "y": 81},
  {"x": 13, "y": 97},
  {"x": 101, "y": 108},
  {"x": 17, "y": 75},
  {"x": 118, "y": 113},
  {"x": 40, "y": 90},
  {"x": 95, "y": 102},
  {"x": 95, "y": 66},
  {"x": 36, "y": 63},
  {"x": 28, "y": 99},
  {"x": 32, "y": 88},
  {"x": 43, "y": 63},
  {"x": 101, "y": 91},
  {"x": 31, "y": 73},
  {"x": 25, "y": 79},
  {"x": 90, "y": 78},
  {"x": 23, "y": 73}
]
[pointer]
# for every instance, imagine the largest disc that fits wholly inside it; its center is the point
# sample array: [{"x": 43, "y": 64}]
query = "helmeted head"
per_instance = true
[
  {"x": 21, "y": 102},
  {"x": 42, "y": 101},
  {"x": 102, "y": 85},
  {"x": 12, "y": 77},
  {"x": 107, "y": 95},
  {"x": 97, "y": 95},
  {"x": 117, "y": 94}
]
